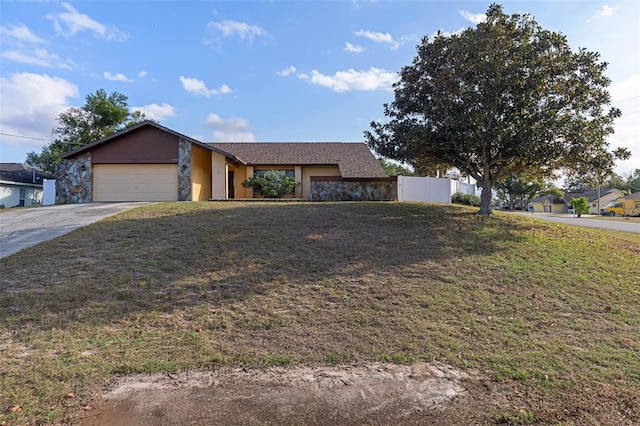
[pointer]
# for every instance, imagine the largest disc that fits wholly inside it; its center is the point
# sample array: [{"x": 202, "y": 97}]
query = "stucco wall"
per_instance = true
[
  {"x": 200, "y": 174},
  {"x": 218, "y": 176},
  {"x": 10, "y": 195},
  {"x": 240, "y": 175},
  {"x": 74, "y": 182}
]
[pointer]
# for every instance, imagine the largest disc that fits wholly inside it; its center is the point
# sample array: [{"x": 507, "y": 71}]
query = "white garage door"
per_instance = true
[{"x": 135, "y": 182}]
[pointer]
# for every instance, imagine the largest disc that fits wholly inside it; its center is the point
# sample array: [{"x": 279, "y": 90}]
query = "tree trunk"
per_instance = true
[{"x": 485, "y": 198}]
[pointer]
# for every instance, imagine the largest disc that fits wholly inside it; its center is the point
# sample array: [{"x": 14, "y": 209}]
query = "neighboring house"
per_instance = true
[
  {"x": 21, "y": 185},
  {"x": 634, "y": 196},
  {"x": 606, "y": 196},
  {"x": 149, "y": 162},
  {"x": 548, "y": 204},
  {"x": 536, "y": 205},
  {"x": 553, "y": 204}
]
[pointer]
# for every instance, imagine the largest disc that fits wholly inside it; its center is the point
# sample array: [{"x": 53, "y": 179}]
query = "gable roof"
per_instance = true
[
  {"x": 541, "y": 198},
  {"x": 132, "y": 129},
  {"x": 634, "y": 196},
  {"x": 354, "y": 160},
  {"x": 591, "y": 195},
  {"x": 23, "y": 174}
]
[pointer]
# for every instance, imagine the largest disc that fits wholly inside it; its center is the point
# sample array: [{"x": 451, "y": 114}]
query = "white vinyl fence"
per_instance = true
[
  {"x": 49, "y": 192},
  {"x": 434, "y": 190}
]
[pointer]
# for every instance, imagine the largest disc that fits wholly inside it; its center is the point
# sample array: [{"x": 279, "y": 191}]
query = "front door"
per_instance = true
[{"x": 231, "y": 185}]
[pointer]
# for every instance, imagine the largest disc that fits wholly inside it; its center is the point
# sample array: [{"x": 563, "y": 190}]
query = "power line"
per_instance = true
[
  {"x": 24, "y": 137},
  {"x": 624, "y": 100}
]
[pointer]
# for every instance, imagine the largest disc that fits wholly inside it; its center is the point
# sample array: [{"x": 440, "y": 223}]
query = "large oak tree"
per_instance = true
[
  {"x": 504, "y": 97},
  {"x": 102, "y": 115}
]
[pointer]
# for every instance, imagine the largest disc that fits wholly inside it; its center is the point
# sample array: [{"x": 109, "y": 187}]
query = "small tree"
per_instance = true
[
  {"x": 580, "y": 205},
  {"x": 273, "y": 184},
  {"x": 102, "y": 115}
]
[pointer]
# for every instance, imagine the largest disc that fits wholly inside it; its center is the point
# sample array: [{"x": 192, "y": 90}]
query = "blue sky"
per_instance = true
[{"x": 262, "y": 71}]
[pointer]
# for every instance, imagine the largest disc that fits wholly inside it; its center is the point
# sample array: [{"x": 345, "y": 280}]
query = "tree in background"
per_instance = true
[
  {"x": 633, "y": 181},
  {"x": 101, "y": 116},
  {"x": 551, "y": 189},
  {"x": 580, "y": 205},
  {"x": 394, "y": 169},
  {"x": 616, "y": 181},
  {"x": 577, "y": 185},
  {"x": 503, "y": 97},
  {"x": 519, "y": 189}
]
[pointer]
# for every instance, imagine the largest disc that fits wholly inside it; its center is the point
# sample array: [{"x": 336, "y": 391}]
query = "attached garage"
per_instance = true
[
  {"x": 135, "y": 182},
  {"x": 145, "y": 162}
]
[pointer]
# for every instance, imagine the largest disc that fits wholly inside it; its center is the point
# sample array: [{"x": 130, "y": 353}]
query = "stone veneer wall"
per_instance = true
[
  {"x": 74, "y": 180},
  {"x": 184, "y": 170},
  {"x": 378, "y": 190}
]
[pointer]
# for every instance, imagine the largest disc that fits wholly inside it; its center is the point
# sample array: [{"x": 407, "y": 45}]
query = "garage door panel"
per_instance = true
[{"x": 135, "y": 182}]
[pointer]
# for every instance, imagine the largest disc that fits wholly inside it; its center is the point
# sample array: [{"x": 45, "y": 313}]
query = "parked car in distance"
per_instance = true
[{"x": 622, "y": 208}]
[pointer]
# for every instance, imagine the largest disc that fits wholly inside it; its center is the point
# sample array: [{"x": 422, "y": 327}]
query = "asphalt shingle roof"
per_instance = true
[
  {"x": 22, "y": 173},
  {"x": 591, "y": 195},
  {"x": 354, "y": 160}
]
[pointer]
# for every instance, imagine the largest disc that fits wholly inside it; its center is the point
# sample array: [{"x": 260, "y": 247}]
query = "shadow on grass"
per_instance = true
[{"x": 172, "y": 256}]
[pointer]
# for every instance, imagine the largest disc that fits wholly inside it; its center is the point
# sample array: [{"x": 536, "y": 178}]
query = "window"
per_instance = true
[{"x": 290, "y": 173}]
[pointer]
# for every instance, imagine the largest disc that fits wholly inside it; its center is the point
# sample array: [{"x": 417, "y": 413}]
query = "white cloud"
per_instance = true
[
  {"x": 353, "y": 48},
  {"x": 30, "y": 104},
  {"x": 142, "y": 74},
  {"x": 445, "y": 33},
  {"x": 287, "y": 71},
  {"x": 155, "y": 111},
  {"x": 242, "y": 29},
  {"x": 19, "y": 33},
  {"x": 605, "y": 12},
  {"x": 343, "y": 81},
  {"x": 378, "y": 38},
  {"x": 116, "y": 77},
  {"x": 72, "y": 21},
  {"x": 39, "y": 57},
  {"x": 474, "y": 18},
  {"x": 233, "y": 129},
  {"x": 197, "y": 87}
]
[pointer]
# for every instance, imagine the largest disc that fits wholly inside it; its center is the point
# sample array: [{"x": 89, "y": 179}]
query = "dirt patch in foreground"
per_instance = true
[{"x": 373, "y": 394}]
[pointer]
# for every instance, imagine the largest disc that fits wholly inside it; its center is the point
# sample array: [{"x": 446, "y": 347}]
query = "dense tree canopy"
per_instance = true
[
  {"x": 394, "y": 169},
  {"x": 504, "y": 97},
  {"x": 101, "y": 116},
  {"x": 519, "y": 189}
]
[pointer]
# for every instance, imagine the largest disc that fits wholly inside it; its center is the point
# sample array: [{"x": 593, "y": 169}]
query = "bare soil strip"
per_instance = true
[{"x": 375, "y": 393}]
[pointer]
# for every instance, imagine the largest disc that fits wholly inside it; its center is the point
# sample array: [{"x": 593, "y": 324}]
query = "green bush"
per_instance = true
[
  {"x": 466, "y": 199},
  {"x": 273, "y": 184}
]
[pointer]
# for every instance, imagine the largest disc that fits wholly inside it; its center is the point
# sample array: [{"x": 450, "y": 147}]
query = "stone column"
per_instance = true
[{"x": 184, "y": 170}]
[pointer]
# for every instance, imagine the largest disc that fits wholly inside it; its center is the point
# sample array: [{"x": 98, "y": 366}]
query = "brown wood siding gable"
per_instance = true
[{"x": 148, "y": 145}]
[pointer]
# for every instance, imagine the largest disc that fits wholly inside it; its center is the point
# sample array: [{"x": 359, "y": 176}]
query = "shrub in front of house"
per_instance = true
[
  {"x": 273, "y": 184},
  {"x": 466, "y": 199}
]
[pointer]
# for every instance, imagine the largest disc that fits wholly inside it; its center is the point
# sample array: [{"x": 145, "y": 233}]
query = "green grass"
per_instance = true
[{"x": 550, "y": 310}]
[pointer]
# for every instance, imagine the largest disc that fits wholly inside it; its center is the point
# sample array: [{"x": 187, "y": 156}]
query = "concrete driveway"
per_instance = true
[{"x": 22, "y": 228}]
